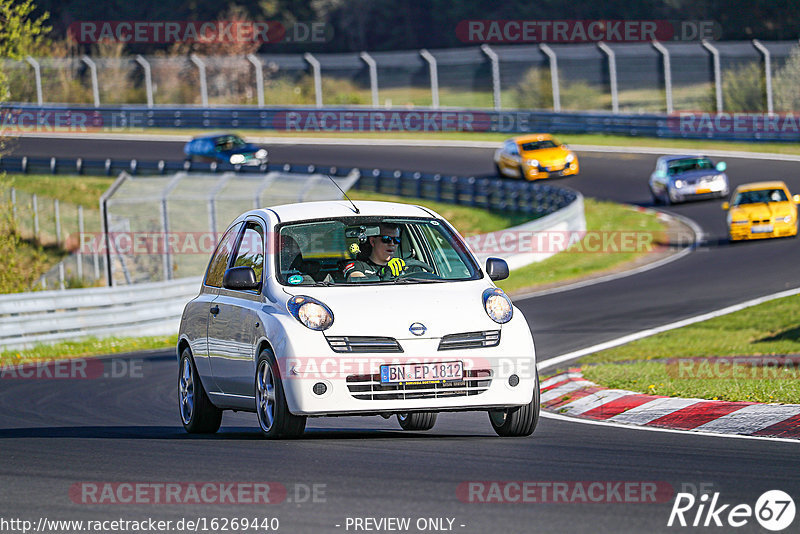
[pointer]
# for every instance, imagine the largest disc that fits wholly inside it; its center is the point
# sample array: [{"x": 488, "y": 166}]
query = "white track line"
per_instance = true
[
  {"x": 558, "y": 360},
  {"x": 550, "y": 415}
]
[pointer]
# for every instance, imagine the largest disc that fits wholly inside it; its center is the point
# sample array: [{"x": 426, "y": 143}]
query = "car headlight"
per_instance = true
[
  {"x": 497, "y": 305},
  {"x": 570, "y": 157},
  {"x": 311, "y": 312},
  {"x": 532, "y": 162},
  {"x": 678, "y": 183},
  {"x": 786, "y": 219},
  {"x": 719, "y": 177},
  {"x": 261, "y": 153},
  {"x": 236, "y": 159},
  {"x": 740, "y": 222}
]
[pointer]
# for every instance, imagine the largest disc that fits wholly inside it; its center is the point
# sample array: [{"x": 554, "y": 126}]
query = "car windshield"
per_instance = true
[
  {"x": 228, "y": 142},
  {"x": 357, "y": 250},
  {"x": 759, "y": 196},
  {"x": 538, "y": 145},
  {"x": 681, "y": 166}
]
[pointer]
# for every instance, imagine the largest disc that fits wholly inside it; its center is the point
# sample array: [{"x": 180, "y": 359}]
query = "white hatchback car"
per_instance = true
[{"x": 298, "y": 317}]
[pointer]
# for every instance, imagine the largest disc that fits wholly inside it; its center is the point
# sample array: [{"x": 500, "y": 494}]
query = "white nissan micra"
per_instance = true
[{"x": 367, "y": 308}]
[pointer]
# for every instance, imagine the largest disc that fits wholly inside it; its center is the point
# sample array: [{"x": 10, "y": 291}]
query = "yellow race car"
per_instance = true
[
  {"x": 535, "y": 156},
  {"x": 762, "y": 209}
]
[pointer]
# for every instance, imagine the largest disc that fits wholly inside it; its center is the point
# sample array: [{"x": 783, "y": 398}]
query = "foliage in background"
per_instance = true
[
  {"x": 786, "y": 82},
  {"x": 744, "y": 88},
  {"x": 535, "y": 91}
]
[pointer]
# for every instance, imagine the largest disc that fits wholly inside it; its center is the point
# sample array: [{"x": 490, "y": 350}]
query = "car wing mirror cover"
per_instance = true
[
  {"x": 496, "y": 268},
  {"x": 726, "y": 206},
  {"x": 240, "y": 278},
  {"x": 721, "y": 166}
]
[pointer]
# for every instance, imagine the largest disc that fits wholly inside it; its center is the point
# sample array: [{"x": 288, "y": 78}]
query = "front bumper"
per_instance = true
[
  {"x": 743, "y": 232},
  {"x": 352, "y": 381},
  {"x": 546, "y": 171}
]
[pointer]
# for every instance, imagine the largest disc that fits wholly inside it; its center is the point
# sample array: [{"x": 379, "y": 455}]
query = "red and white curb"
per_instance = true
[{"x": 571, "y": 394}]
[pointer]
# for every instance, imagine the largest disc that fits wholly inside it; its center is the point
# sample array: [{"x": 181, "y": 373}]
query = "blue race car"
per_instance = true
[{"x": 224, "y": 148}]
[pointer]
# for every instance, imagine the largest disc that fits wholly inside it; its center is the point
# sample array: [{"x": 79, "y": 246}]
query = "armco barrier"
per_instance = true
[
  {"x": 21, "y": 118},
  {"x": 150, "y": 309},
  {"x": 532, "y": 198}
]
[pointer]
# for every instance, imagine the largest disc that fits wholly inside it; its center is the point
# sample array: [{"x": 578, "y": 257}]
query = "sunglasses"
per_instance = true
[{"x": 390, "y": 239}]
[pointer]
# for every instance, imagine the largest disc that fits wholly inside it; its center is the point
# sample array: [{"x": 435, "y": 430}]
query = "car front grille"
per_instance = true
[
  {"x": 470, "y": 340},
  {"x": 363, "y": 344},
  {"x": 763, "y": 221},
  {"x": 369, "y": 387}
]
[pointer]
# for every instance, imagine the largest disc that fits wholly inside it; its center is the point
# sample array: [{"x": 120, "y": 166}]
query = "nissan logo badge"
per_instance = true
[{"x": 418, "y": 329}]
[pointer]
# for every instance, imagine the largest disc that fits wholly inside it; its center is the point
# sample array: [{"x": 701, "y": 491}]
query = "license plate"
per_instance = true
[
  {"x": 702, "y": 191},
  {"x": 417, "y": 373},
  {"x": 761, "y": 229}
]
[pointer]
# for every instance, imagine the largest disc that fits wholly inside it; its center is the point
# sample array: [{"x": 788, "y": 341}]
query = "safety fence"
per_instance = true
[
  {"x": 649, "y": 76},
  {"x": 748, "y": 127}
]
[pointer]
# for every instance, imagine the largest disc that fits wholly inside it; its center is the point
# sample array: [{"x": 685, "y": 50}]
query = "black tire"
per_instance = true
[
  {"x": 518, "y": 421},
  {"x": 198, "y": 414},
  {"x": 417, "y": 420},
  {"x": 498, "y": 171},
  {"x": 271, "y": 401}
]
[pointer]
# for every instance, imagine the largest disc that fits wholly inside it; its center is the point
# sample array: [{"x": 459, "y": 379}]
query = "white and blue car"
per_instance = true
[
  {"x": 282, "y": 329},
  {"x": 683, "y": 178}
]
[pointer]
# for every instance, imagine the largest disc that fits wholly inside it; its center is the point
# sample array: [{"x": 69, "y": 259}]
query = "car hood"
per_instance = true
[
  {"x": 246, "y": 149},
  {"x": 761, "y": 211},
  {"x": 546, "y": 155},
  {"x": 389, "y": 310},
  {"x": 695, "y": 175}
]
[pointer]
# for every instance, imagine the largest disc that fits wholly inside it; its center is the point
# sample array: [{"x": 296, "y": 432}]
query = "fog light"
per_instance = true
[
  {"x": 513, "y": 380},
  {"x": 320, "y": 388}
]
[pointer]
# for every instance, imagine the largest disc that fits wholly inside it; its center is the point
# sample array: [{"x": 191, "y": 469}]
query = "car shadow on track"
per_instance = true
[{"x": 229, "y": 433}]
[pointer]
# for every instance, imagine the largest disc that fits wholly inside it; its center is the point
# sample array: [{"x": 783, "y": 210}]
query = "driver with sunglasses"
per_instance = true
[{"x": 380, "y": 264}]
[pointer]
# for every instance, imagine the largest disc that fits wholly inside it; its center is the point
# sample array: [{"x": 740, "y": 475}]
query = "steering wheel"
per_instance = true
[{"x": 427, "y": 272}]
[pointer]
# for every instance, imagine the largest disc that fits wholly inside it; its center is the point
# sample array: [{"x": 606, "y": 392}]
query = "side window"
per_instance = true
[
  {"x": 219, "y": 261},
  {"x": 251, "y": 249}
]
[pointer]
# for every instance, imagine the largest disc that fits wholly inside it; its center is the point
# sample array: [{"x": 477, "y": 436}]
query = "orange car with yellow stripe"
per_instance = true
[
  {"x": 535, "y": 156},
  {"x": 762, "y": 209}
]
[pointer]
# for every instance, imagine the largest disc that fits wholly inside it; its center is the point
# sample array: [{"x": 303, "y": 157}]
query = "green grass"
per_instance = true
[
  {"x": 79, "y": 190},
  {"x": 767, "y": 329},
  {"x": 87, "y": 347},
  {"x": 602, "y": 218}
]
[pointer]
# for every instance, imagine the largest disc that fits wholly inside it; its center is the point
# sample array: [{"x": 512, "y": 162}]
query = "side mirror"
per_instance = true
[
  {"x": 496, "y": 268},
  {"x": 660, "y": 174},
  {"x": 796, "y": 199},
  {"x": 721, "y": 166},
  {"x": 726, "y": 206},
  {"x": 240, "y": 279}
]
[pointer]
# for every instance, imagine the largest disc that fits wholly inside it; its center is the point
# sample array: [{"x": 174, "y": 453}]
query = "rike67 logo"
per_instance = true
[{"x": 774, "y": 510}]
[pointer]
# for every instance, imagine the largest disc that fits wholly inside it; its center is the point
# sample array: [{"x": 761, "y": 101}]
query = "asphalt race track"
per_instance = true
[{"x": 55, "y": 434}]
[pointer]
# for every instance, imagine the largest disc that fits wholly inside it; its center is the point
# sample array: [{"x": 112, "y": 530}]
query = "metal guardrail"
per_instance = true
[
  {"x": 532, "y": 198},
  {"x": 750, "y": 127},
  {"x": 150, "y": 309}
]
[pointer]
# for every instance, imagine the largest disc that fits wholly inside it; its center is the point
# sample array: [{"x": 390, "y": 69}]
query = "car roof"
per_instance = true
[
  {"x": 342, "y": 208},
  {"x": 532, "y": 137},
  {"x": 215, "y": 135},
  {"x": 682, "y": 156},
  {"x": 755, "y": 186}
]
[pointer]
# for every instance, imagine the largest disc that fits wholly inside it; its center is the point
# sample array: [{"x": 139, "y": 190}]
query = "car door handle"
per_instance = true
[{"x": 214, "y": 311}]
